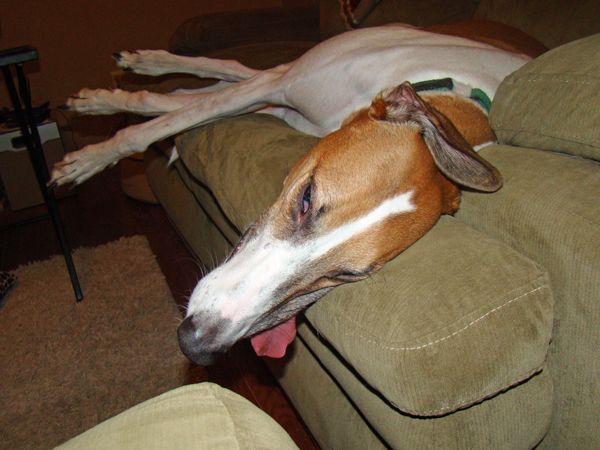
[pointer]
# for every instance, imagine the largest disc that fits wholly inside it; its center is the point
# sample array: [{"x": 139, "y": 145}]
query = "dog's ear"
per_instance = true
[{"x": 452, "y": 154}]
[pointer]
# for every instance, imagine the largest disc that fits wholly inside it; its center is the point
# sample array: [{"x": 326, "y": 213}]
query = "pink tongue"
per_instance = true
[{"x": 274, "y": 341}]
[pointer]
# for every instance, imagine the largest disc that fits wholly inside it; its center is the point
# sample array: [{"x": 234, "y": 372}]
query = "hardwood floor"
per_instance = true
[{"x": 98, "y": 213}]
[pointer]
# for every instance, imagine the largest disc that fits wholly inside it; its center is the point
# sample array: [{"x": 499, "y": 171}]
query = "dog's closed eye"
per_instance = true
[{"x": 306, "y": 200}]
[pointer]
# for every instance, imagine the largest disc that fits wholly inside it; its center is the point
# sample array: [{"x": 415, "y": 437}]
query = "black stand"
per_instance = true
[{"x": 24, "y": 114}]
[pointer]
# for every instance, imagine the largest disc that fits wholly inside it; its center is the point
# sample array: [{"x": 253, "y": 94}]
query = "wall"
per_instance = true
[{"x": 75, "y": 38}]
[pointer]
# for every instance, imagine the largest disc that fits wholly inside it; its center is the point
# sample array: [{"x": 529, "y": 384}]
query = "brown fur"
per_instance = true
[{"x": 353, "y": 170}]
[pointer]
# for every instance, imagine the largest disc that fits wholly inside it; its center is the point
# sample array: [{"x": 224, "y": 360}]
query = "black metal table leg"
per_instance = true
[{"x": 25, "y": 119}]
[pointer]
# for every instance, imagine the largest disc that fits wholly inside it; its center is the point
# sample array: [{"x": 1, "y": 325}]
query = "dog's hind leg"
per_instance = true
[
  {"x": 160, "y": 62},
  {"x": 247, "y": 96}
]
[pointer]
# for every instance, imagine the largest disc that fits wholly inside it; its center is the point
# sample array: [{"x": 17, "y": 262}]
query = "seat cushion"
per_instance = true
[
  {"x": 454, "y": 319},
  {"x": 552, "y": 102},
  {"x": 196, "y": 416},
  {"x": 243, "y": 161}
]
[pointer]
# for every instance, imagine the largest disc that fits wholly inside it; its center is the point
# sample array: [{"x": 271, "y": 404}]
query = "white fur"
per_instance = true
[
  {"x": 242, "y": 289},
  {"x": 313, "y": 94}
]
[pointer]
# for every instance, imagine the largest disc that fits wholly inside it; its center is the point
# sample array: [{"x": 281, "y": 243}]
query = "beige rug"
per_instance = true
[{"x": 64, "y": 367}]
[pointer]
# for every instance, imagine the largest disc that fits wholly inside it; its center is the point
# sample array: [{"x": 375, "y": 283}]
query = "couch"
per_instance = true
[{"x": 484, "y": 333}]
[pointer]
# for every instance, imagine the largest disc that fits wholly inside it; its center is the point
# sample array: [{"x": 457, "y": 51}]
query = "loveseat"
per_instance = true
[{"x": 484, "y": 333}]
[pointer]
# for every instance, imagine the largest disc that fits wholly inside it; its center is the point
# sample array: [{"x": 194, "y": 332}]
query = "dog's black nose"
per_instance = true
[
  {"x": 187, "y": 333},
  {"x": 190, "y": 342}
]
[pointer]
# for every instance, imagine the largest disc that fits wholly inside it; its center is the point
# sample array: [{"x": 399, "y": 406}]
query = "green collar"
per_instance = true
[{"x": 447, "y": 84}]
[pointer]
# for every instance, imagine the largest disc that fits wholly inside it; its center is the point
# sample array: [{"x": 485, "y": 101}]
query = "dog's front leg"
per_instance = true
[{"x": 247, "y": 96}]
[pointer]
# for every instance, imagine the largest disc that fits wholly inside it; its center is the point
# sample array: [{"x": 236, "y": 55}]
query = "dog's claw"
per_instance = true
[{"x": 117, "y": 56}]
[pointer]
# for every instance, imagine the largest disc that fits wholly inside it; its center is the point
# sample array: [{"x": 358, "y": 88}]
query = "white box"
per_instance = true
[{"x": 16, "y": 172}]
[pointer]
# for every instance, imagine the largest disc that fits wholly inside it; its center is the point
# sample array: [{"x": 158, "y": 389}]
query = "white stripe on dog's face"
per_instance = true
[
  {"x": 242, "y": 289},
  {"x": 396, "y": 205}
]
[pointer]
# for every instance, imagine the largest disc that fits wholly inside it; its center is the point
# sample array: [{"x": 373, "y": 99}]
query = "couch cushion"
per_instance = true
[
  {"x": 224, "y": 30},
  {"x": 243, "y": 161},
  {"x": 552, "y": 102},
  {"x": 456, "y": 318},
  {"x": 549, "y": 210},
  {"x": 198, "y": 416}
]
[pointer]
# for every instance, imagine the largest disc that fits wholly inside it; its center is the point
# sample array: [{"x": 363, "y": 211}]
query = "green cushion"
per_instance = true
[
  {"x": 552, "y": 102},
  {"x": 456, "y": 318},
  {"x": 243, "y": 161},
  {"x": 196, "y": 416},
  {"x": 549, "y": 210}
]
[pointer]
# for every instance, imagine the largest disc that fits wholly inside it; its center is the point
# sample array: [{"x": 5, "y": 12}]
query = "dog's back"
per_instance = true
[{"x": 344, "y": 73}]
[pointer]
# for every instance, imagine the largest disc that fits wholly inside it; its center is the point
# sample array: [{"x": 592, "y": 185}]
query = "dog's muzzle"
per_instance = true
[{"x": 199, "y": 344}]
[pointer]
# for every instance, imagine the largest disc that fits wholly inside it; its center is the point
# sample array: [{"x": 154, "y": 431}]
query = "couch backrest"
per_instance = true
[
  {"x": 546, "y": 117},
  {"x": 552, "y": 102},
  {"x": 552, "y": 22}
]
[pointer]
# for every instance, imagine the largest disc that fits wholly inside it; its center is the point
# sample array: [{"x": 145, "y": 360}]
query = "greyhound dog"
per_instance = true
[{"x": 389, "y": 165}]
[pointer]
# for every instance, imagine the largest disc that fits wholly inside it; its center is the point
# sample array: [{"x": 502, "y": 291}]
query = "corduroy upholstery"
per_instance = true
[{"x": 197, "y": 416}]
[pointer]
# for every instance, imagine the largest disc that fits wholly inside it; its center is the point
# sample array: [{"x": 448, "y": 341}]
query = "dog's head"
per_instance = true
[{"x": 360, "y": 197}]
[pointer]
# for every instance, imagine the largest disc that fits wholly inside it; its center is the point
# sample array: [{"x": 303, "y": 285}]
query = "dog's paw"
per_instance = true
[
  {"x": 95, "y": 102},
  {"x": 77, "y": 167},
  {"x": 145, "y": 62}
]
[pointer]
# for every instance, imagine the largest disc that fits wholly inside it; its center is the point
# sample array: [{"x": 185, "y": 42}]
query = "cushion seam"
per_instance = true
[
  {"x": 229, "y": 415},
  {"x": 479, "y": 398},
  {"x": 454, "y": 333}
]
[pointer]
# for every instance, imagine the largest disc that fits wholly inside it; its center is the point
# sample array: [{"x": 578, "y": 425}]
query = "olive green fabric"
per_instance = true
[
  {"x": 552, "y": 102},
  {"x": 203, "y": 416},
  {"x": 441, "y": 345},
  {"x": 329, "y": 413},
  {"x": 244, "y": 161},
  {"x": 515, "y": 419},
  {"x": 549, "y": 210},
  {"x": 186, "y": 206},
  {"x": 203, "y": 34},
  {"x": 553, "y": 22},
  {"x": 454, "y": 319}
]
